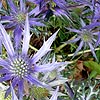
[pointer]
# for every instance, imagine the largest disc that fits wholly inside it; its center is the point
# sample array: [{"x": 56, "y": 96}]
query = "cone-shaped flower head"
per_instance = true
[{"x": 87, "y": 38}]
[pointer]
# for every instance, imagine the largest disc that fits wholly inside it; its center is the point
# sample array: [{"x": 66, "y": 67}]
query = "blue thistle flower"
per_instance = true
[
  {"x": 87, "y": 39},
  {"x": 95, "y": 21},
  {"x": 16, "y": 19},
  {"x": 60, "y": 8},
  {"x": 18, "y": 66}
]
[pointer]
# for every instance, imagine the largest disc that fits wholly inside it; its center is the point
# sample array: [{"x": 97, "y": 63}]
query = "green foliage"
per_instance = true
[
  {"x": 94, "y": 66},
  {"x": 59, "y": 48}
]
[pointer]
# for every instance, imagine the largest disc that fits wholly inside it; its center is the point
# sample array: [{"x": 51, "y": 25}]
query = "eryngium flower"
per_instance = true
[
  {"x": 18, "y": 67},
  {"x": 87, "y": 39},
  {"x": 16, "y": 19},
  {"x": 47, "y": 9}
]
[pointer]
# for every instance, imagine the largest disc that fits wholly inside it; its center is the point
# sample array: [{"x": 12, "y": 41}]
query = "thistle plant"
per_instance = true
[
  {"x": 48, "y": 8},
  {"x": 15, "y": 18},
  {"x": 18, "y": 67},
  {"x": 39, "y": 67},
  {"x": 87, "y": 39}
]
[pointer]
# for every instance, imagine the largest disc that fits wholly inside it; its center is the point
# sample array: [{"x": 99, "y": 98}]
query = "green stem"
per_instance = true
[
  {"x": 35, "y": 49},
  {"x": 60, "y": 47},
  {"x": 63, "y": 45},
  {"x": 81, "y": 52}
]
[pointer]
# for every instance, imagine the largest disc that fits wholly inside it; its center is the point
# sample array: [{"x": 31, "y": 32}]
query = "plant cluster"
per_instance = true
[{"x": 49, "y": 49}]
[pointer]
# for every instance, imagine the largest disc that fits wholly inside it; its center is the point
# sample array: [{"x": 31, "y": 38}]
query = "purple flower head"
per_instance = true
[
  {"x": 95, "y": 20},
  {"x": 20, "y": 67},
  {"x": 16, "y": 19},
  {"x": 86, "y": 38},
  {"x": 59, "y": 8}
]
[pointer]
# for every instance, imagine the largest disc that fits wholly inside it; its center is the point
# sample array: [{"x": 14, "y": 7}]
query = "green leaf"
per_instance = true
[
  {"x": 94, "y": 66},
  {"x": 93, "y": 74}
]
